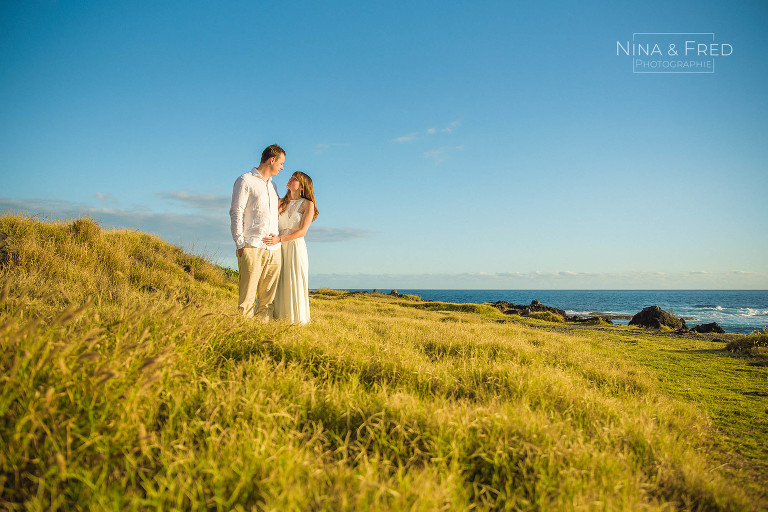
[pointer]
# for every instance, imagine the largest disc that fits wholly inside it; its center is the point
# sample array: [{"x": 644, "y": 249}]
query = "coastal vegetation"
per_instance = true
[
  {"x": 755, "y": 344},
  {"x": 128, "y": 382}
]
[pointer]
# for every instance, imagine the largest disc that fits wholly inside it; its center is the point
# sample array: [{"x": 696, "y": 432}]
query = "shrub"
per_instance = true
[
  {"x": 327, "y": 293},
  {"x": 751, "y": 344},
  {"x": 546, "y": 316},
  {"x": 482, "y": 309},
  {"x": 597, "y": 321},
  {"x": 232, "y": 275},
  {"x": 85, "y": 230}
]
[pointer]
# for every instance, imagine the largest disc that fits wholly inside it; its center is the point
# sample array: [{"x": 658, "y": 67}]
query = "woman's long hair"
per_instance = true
[{"x": 307, "y": 192}]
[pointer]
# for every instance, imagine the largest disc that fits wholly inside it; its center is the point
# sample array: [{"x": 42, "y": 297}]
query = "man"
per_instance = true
[{"x": 254, "y": 215}]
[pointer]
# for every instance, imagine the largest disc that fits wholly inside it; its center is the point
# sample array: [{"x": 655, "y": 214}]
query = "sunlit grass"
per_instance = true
[{"x": 128, "y": 382}]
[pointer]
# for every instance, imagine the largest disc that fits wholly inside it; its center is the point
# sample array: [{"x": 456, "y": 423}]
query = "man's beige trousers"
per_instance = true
[{"x": 259, "y": 271}]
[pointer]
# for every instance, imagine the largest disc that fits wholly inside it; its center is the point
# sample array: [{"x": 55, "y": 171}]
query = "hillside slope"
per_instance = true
[{"x": 128, "y": 382}]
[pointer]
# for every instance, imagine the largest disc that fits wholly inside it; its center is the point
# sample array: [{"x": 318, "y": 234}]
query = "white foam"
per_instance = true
[{"x": 754, "y": 312}]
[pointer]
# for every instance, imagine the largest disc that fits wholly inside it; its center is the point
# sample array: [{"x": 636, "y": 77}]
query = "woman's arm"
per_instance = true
[{"x": 308, "y": 212}]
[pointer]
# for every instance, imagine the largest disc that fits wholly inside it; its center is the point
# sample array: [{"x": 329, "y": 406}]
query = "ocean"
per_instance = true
[{"x": 736, "y": 311}]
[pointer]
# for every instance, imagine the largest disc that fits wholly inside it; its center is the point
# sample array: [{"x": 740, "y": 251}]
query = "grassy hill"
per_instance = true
[{"x": 128, "y": 382}]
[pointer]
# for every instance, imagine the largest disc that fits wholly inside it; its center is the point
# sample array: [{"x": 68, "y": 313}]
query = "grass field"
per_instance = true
[{"x": 129, "y": 383}]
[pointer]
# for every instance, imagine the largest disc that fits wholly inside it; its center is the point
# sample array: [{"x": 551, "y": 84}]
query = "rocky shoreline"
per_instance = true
[{"x": 650, "y": 317}]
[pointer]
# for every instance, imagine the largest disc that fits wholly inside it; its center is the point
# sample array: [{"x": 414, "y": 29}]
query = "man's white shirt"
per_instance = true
[{"x": 253, "y": 212}]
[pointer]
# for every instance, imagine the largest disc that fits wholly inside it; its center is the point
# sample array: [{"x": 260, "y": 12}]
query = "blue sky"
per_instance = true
[{"x": 452, "y": 144}]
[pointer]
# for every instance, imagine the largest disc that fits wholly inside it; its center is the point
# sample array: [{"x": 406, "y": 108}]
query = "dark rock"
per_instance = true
[
  {"x": 655, "y": 317},
  {"x": 705, "y": 328},
  {"x": 374, "y": 293},
  {"x": 610, "y": 316},
  {"x": 589, "y": 319},
  {"x": 509, "y": 308},
  {"x": 394, "y": 293}
]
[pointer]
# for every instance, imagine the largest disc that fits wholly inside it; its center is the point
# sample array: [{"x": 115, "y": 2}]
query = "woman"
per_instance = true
[{"x": 297, "y": 211}]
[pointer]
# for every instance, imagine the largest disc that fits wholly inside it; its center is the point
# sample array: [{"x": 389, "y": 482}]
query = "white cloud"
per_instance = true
[
  {"x": 317, "y": 234},
  {"x": 440, "y": 154},
  {"x": 451, "y": 127},
  {"x": 107, "y": 198},
  {"x": 323, "y": 147},
  {"x": 405, "y": 138},
  {"x": 210, "y": 202},
  {"x": 429, "y": 131},
  {"x": 206, "y": 231}
]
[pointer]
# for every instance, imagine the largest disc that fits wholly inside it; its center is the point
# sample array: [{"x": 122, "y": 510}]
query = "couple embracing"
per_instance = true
[{"x": 269, "y": 234}]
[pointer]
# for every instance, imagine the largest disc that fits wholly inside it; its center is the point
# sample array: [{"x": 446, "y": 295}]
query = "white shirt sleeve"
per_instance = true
[{"x": 237, "y": 211}]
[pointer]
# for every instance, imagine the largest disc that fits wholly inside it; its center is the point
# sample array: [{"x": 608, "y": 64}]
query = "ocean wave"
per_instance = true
[
  {"x": 724, "y": 312},
  {"x": 755, "y": 312},
  {"x": 702, "y": 306}
]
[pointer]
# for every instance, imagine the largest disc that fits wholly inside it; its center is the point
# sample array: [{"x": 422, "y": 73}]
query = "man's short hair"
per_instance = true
[{"x": 272, "y": 151}]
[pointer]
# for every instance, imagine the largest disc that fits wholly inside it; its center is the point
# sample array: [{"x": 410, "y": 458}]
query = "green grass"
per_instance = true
[
  {"x": 731, "y": 389},
  {"x": 128, "y": 382}
]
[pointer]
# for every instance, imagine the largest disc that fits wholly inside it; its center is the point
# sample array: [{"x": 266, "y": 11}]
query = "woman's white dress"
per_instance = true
[{"x": 292, "y": 298}]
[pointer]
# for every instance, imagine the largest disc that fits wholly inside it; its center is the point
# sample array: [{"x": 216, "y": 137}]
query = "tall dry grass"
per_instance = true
[{"x": 129, "y": 383}]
